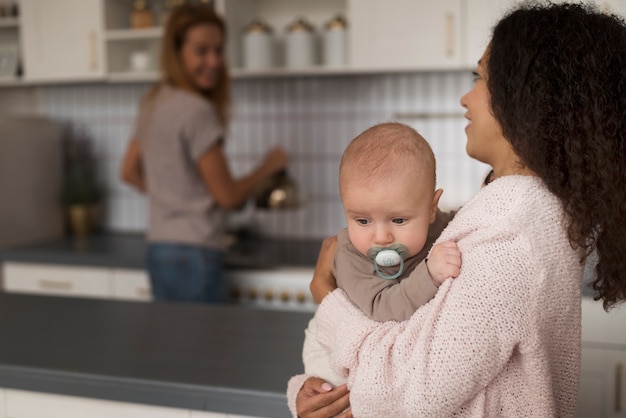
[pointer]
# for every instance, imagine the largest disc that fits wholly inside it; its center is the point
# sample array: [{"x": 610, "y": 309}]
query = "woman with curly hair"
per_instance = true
[{"x": 548, "y": 113}]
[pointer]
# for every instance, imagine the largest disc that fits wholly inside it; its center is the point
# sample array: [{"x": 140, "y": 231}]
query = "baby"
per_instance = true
[{"x": 387, "y": 186}]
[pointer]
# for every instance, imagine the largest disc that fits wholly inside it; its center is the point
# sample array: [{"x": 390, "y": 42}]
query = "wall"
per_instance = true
[{"x": 314, "y": 118}]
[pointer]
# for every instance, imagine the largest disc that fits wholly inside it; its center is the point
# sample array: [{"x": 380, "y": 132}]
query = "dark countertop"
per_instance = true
[
  {"x": 128, "y": 251},
  {"x": 213, "y": 358}
]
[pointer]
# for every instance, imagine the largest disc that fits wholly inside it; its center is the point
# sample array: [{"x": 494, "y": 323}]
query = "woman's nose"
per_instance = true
[
  {"x": 214, "y": 60},
  {"x": 464, "y": 100}
]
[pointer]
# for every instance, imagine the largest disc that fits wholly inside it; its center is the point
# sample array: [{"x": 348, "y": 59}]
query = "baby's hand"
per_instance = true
[{"x": 444, "y": 262}]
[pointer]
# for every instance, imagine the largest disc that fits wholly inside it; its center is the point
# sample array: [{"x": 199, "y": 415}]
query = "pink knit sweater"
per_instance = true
[{"x": 500, "y": 340}]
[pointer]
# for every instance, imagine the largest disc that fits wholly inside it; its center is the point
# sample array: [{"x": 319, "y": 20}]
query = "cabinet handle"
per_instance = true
[
  {"x": 55, "y": 285},
  {"x": 449, "y": 34},
  {"x": 143, "y": 292},
  {"x": 93, "y": 56},
  {"x": 619, "y": 369}
]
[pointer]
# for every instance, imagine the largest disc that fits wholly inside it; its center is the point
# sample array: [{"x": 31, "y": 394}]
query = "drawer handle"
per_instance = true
[
  {"x": 449, "y": 48},
  {"x": 93, "y": 51},
  {"x": 619, "y": 369},
  {"x": 55, "y": 285}
]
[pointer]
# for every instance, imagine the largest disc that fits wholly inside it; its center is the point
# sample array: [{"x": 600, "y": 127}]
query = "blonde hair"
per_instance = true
[
  {"x": 384, "y": 149},
  {"x": 181, "y": 20}
]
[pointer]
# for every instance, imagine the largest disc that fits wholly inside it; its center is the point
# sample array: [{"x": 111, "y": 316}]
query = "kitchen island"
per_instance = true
[
  {"x": 129, "y": 251},
  {"x": 224, "y": 359},
  {"x": 260, "y": 271}
]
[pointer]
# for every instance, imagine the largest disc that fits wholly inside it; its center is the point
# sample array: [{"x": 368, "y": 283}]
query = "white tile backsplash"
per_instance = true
[{"x": 314, "y": 118}]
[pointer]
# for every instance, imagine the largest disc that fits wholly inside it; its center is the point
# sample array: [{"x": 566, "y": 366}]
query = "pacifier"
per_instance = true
[{"x": 388, "y": 257}]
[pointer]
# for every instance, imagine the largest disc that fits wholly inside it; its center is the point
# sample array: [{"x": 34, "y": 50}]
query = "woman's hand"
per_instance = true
[
  {"x": 318, "y": 399},
  {"x": 323, "y": 279},
  {"x": 276, "y": 159}
]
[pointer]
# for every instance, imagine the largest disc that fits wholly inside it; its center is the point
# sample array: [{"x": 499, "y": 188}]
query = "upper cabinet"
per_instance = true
[
  {"x": 482, "y": 15},
  {"x": 119, "y": 40},
  {"x": 481, "y": 18},
  {"x": 62, "y": 40},
  {"x": 406, "y": 34}
]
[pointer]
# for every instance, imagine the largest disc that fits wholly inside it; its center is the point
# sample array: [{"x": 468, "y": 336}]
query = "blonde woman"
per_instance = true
[{"x": 177, "y": 159}]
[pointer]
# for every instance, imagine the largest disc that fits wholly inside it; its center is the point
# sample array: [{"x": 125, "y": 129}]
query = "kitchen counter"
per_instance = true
[
  {"x": 128, "y": 251},
  {"x": 213, "y": 358}
]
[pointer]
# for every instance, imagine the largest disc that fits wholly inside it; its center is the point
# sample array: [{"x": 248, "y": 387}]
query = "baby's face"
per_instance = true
[{"x": 385, "y": 212}]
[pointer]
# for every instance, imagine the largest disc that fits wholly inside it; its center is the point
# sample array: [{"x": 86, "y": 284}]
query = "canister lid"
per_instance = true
[
  {"x": 257, "y": 26},
  {"x": 337, "y": 23},
  {"x": 300, "y": 25}
]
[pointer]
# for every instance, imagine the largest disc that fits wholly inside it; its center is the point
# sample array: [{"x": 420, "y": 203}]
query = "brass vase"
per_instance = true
[{"x": 83, "y": 220}]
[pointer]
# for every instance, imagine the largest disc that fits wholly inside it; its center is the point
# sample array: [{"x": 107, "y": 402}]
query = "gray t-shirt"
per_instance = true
[{"x": 175, "y": 129}]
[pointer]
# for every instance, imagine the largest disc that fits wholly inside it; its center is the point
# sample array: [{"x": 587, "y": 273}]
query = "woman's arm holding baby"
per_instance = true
[{"x": 323, "y": 281}]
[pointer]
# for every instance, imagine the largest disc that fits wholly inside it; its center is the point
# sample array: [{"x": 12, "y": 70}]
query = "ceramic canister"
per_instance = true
[
  {"x": 258, "y": 48},
  {"x": 335, "y": 42},
  {"x": 300, "y": 45}
]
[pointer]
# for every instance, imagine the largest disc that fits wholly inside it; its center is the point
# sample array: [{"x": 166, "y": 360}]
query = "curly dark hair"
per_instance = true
[{"x": 557, "y": 78}]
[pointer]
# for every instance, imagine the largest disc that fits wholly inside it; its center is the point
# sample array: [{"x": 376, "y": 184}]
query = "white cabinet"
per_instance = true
[
  {"x": 62, "y": 40},
  {"x": 382, "y": 36},
  {"x": 61, "y": 280},
  {"x": 405, "y": 34},
  {"x": 482, "y": 15},
  {"x": 613, "y": 6},
  {"x": 481, "y": 18},
  {"x": 602, "y": 392},
  {"x": 56, "y": 281}
]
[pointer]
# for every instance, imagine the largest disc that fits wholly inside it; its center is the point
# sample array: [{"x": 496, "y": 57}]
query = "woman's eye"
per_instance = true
[
  {"x": 398, "y": 221},
  {"x": 475, "y": 75}
]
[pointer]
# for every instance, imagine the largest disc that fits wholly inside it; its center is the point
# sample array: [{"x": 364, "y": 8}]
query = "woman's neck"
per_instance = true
[{"x": 520, "y": 170}]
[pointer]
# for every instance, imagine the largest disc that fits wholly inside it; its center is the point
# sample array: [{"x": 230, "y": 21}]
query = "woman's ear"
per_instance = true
[{"x": 435, "y": 205}]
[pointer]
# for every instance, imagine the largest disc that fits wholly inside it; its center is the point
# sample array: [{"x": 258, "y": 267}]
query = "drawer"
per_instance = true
[
  {"x": 54, "y": 280},
  {"x": 131, "y": 285}
]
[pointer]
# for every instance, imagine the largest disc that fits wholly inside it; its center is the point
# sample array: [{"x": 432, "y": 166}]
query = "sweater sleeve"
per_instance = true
[
  {"x": 293, "y": 387},
  {"x": 449, "y": 350}
]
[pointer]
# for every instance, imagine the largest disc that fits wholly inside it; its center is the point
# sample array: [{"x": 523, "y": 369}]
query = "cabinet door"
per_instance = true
[
  {"x": 602, "y": 391},
  {"x": 405, "y": 34},
  {"x": 481, "y": 17},
  {"x": 56, "y": 281},
  {"x": 62, "y": 39},
  {"x": 613, "y": 6}
]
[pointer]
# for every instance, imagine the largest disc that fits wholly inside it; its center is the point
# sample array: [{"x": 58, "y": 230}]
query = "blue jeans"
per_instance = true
[{"x": 185, "y": 273}]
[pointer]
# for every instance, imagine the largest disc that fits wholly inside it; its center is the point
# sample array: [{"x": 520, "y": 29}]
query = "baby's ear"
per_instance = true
[{"x": 435, "y": 205}]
